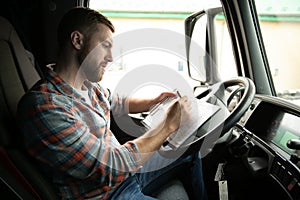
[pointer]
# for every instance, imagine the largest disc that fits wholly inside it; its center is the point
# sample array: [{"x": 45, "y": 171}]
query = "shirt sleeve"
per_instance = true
[
  {"x": 119, "y": 105},
  {"x": 56, "y": 136}
]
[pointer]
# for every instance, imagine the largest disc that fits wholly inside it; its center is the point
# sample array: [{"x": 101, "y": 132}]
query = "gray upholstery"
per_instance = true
[
  {"x": 174, "y": 190},
  {"x": 17, "y": 74},
  {"x": 27, "y": 71}
]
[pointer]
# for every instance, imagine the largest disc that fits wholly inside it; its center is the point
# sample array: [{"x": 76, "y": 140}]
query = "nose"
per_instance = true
[{"x": 109, "y": 57}]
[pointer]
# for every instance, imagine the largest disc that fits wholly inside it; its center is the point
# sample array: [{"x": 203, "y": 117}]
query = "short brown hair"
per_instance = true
[{"x": 82, "y": 19}]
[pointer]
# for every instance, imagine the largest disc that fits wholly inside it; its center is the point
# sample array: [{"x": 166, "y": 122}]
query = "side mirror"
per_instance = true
[{"x": 201, "y": 49}]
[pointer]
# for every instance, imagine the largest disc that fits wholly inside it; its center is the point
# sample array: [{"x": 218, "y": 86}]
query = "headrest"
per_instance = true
[
  {"x": 6, "y": 29},
  {"x": 24, "y": 65}
]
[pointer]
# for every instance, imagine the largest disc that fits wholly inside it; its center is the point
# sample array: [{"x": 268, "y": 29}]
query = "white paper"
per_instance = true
[
  {"x": 157, "y": 113},
  {"x": 201, "y": 111}
]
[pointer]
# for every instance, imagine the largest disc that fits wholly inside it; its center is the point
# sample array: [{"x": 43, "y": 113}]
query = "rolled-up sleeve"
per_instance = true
[{"x": 119, "y": 105}]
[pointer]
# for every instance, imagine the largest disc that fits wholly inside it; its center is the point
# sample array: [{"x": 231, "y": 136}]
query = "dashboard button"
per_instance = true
[{"x": 292, "y": 184}]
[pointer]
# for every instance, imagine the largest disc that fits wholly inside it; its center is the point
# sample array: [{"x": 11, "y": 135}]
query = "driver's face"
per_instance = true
[{"x": 96, "y": 54}]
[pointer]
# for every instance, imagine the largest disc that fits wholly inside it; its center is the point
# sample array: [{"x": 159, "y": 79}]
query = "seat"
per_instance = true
[{"x": 19, "y": 177}]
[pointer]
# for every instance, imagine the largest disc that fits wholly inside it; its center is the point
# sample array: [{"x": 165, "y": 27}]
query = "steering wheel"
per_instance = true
[{"x": 224, "y": 119}]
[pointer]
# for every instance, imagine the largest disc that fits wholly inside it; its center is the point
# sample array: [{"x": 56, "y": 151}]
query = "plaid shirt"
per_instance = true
[{"x": 72, "y": 139}]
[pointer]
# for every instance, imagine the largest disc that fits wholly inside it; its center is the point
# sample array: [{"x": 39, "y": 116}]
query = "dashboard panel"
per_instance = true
[
  {"x": 275, "y": 123},
  {"x": 261, "y": 138}
]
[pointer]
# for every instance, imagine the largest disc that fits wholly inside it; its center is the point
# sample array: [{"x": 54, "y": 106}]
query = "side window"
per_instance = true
[
  {"x": 280, "y": 27},
  {"x": 137, "y": 25},
  {"x": 167, "y": 18}
]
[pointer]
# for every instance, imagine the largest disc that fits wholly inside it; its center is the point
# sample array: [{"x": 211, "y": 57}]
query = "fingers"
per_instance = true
[
  {"x": 178, "y": 113},
  {"x": 165, "y": 95},
  {"x": 186, "y": 106},
  {"x": 162, "y": 97},
  {"x": 185, "y": 103},
  {"x": 182, "y": 105}
]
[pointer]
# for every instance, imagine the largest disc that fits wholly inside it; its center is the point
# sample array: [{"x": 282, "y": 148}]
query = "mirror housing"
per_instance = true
[{"x": 210, "y": 58}]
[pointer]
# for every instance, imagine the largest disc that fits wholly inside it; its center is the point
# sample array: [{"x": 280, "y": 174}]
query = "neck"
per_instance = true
[{"x": 69, "y": 71}]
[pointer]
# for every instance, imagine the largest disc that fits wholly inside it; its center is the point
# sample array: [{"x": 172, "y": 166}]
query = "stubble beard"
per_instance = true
[{"x": 86, "y": 69}]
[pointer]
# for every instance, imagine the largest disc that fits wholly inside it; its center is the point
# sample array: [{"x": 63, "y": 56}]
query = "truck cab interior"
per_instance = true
[{"x": 249, "y": 66}]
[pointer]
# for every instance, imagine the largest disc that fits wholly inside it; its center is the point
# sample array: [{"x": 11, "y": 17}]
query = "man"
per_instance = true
[{"x": 65, "y": 119}]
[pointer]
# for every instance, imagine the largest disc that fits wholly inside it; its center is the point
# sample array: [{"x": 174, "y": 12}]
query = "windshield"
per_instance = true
[
  {"x": 280, "y": 27},
  {"x": 156, "y": 17},
  {"x": 279, "y": 23}
]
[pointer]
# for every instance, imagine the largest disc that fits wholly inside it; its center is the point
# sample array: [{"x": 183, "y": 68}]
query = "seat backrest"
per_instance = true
[{"x": 17, "y": 75}]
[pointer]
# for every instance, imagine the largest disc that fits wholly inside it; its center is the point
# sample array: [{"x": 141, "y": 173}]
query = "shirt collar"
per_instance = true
[{"x": 63, "y": 87}]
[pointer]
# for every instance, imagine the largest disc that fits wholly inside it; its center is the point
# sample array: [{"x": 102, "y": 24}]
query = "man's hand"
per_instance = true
[
  {"x": 152, "y": 140},
  {"x": 177, "y": 114},
  {"x": 143, "y": 105},
  {"x": 162, "y": 97}
]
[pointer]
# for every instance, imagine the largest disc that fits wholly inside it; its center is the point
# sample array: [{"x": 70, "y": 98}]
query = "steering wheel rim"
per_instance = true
[
  {"x": 217, "y": 91},
  {"x": 243, "y": 104}
]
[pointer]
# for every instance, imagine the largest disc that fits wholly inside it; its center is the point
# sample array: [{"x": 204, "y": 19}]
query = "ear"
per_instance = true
[{"x": 77, "y": 39}]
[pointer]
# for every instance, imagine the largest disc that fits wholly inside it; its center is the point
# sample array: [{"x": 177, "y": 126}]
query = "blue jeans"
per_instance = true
[{"x": 142, "y": 185}]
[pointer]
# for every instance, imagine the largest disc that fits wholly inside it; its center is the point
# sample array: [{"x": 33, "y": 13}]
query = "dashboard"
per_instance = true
[
  {"x": 261, "y": 138},
  {"x": 275, "y": 124}
]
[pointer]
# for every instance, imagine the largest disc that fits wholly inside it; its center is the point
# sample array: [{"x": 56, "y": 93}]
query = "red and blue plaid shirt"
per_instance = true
[{"x": 72, "y": 140}]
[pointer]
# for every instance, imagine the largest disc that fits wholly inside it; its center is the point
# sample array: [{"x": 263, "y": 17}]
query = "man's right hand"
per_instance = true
[
  {"x": 152, "y": 140},
  {"x": 177, "y": 114}
]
